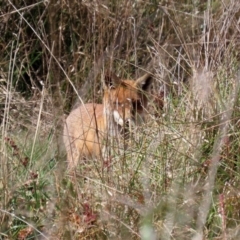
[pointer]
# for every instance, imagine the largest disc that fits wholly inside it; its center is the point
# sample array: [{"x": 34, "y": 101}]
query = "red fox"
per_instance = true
[{"x": 89, "y": 125}]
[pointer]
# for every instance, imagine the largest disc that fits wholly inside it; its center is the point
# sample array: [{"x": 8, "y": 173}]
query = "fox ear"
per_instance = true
[
  {"x": 111, "y": 80},
  {"x": 144, "y": 82}
]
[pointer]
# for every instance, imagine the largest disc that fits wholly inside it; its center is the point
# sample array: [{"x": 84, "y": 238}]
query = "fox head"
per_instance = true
[{"x": 125, "y": 100}]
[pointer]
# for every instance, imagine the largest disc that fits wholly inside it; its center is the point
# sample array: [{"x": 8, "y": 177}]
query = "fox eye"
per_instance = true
[{"x": 137, "y": 106}]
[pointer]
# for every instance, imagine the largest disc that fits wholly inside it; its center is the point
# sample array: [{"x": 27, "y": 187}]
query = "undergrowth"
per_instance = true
[{"x": 179, "y": 176}]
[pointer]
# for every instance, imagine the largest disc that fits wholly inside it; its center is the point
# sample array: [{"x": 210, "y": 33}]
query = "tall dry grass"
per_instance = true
[{"x": 179, "y": 177}]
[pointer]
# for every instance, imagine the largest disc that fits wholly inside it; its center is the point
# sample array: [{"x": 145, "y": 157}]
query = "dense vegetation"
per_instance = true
[{"x": 180, "y": 177}]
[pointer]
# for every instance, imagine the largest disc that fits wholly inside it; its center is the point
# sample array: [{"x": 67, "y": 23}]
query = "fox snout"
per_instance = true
[{"x": 123, "y": 122}]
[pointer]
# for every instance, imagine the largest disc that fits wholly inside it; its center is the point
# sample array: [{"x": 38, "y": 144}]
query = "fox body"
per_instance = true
[{"x": 89, "y": 125}]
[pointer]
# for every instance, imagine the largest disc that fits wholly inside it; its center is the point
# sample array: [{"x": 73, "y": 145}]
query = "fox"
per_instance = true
[{"x": 89, "y": 125}]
